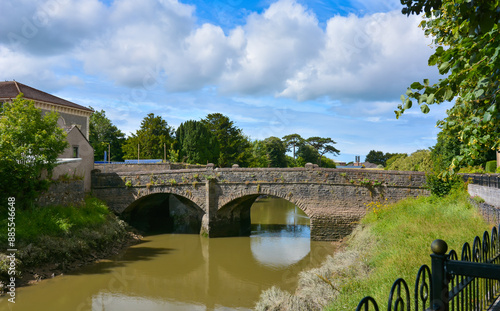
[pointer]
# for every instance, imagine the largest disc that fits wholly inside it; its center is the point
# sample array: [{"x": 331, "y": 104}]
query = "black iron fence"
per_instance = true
[
  {"x": 471, "y": 283},
  {"x": 488, "y": 180}
]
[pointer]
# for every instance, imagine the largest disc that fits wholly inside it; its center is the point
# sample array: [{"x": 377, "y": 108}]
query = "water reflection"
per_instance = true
[
  {"x": 187, "y": 271},
  {"x": 278, "y": 246}
]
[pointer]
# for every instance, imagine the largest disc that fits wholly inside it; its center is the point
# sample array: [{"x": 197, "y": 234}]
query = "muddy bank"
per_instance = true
[{"x": 49, "y": 256}]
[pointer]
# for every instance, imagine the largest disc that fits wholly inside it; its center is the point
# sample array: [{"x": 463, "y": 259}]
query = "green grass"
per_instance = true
[
  {"x": 396, "y": 241},
  {"x": 60, "y": 236},
  {"x": 56, "y": 221}
]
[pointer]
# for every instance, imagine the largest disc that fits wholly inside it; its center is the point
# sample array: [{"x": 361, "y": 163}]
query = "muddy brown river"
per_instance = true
[{"x": 187, "y": 271}]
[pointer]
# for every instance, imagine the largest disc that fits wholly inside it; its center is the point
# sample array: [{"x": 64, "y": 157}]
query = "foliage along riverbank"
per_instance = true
[
  {"x": 391, "y": 241},
  {"x": 55, "y": 239}
]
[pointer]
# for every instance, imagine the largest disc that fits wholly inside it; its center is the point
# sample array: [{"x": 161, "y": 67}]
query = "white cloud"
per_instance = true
[
  {"x": 374, "y": 57},
  {"x": 282, "y": 51},
  {"x": 49, "y": 27},
  {"x": 278, "y": 41}
]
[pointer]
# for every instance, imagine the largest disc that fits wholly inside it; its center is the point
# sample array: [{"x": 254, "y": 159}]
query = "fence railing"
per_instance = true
[
  {"x": 471, "y": 283},
  {"x": 488, "y": 180}
]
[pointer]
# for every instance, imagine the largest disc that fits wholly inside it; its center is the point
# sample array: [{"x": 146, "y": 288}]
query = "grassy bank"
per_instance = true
[
  {"x": 54, "y": 239},
  {"x": 392, "y": 241}
]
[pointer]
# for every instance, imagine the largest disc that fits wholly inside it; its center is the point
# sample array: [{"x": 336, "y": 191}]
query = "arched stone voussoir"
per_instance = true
[
  {"x": 183, "y": 193},
  {"x": 226, "y": 200}
]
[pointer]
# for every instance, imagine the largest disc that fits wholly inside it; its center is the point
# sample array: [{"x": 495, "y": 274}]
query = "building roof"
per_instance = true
[{"x": 10, "y": 89}]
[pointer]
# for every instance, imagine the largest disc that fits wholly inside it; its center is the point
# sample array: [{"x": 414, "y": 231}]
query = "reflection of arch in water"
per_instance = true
[
  {"x": 279, "y": 252},
  {"x": 164, "y": 212},
  {"x": 234, "y": 217}
]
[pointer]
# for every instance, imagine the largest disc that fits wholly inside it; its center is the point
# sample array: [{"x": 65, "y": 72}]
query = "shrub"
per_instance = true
[
  {"x": 420, "y": 160},
  {"x": 440, "y": 186},
  {"x": 491, "y": 166},
  {"x": 472, "y": 170}
]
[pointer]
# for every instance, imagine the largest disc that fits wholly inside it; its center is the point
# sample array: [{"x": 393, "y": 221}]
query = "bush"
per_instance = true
[
  {"x": 498, "y": 169},
  {"x": 418, "y": 161},
  {"x": 472, "y": 170},
  {"x": 440, "y": 186},
  {"x": 491, "y": 166}
]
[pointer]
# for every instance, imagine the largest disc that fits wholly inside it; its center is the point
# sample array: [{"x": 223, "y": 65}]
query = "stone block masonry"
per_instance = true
[
  {"x": 63, "y": 193},
  {"x": 333, "y": 199}
]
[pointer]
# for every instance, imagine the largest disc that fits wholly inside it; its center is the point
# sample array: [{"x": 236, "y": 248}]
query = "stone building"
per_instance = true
[{"x": 78, "y": 158}]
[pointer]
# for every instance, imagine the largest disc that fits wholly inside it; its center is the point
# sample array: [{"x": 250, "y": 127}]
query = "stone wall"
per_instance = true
[
  {"x": 63, "y": 193},
  {"x": 149, "y": 167},
  {"x": 490, "y": 195}
]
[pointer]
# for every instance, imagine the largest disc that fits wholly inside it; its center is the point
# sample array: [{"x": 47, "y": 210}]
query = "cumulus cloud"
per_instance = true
[
  {"x": 277, "y": 42},
  {"x": 372, "y": 57},
  {"x": 49, "y": 27},
  {"x": 282, "y": 52}
]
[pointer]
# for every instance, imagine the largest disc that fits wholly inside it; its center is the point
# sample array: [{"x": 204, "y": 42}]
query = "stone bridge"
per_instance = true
[{"x": 216, "y": 202}]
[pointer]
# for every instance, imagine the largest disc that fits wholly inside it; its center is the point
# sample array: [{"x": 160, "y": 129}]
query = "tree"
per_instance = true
[
  {"x": 234, "y": 146},
  {"x": 328, "y": 163},
  {"x": 323, "y": 146},
  {"x": 259, "y": 156},
  {"x": 448, "y": 146},
  {"x": 467, "y": 52},
  {"x": 292, "y": 140},
  {"x": 393, "y": 158},
  {"x": 29, "y": 145},
  {"x": 420, "y": 160},
  {"x": 101, "y": 133},
  {"x": 307, "y": 154},
  {"x": 151, "y": 137},
  {"x": 378, "y": 157},
  {"x": 196, "y": 143},
  {"x": 275, "y": 150}
]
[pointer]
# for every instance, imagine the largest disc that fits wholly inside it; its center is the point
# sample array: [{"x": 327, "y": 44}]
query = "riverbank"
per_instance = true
[
  {"x": 391, "y": 241},
  {"x": 55, "y": 240}
]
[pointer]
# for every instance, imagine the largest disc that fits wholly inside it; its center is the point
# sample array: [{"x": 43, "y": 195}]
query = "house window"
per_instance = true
[{"x": 75, "y": 152}]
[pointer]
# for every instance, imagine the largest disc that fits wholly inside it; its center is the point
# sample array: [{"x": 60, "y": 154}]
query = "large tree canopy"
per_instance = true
[
  {"x": 467, "y": 53},
  {"x": 292, "y": 141},
  {"x": 104, "y": 134},
  {"x": 153, "y": 135},
  {"x": 30, "y": 143},
  {"x": 323, "y": 146},
  {"x": 234, "y": 146},
  {"x": 196, "y": 143}
]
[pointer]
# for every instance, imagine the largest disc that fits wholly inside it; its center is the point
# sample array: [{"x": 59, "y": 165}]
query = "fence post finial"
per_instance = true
[{"x": 439, "y": 295}]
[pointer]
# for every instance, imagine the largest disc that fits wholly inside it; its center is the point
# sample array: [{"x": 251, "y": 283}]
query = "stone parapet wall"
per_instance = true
[
  {"x": 147, "y": 167},
  {"x": 63, "y": 193},
  {"x": 490, "y": 195}
]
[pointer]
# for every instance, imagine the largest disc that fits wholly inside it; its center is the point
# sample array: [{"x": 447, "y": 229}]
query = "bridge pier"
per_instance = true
[{"x": 232, "y": 220}]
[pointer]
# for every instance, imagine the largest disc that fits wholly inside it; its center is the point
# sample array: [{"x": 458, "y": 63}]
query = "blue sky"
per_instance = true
[{"x": 317, "y": 68}]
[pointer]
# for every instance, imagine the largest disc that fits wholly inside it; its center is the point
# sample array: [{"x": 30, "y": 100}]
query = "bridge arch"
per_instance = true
[
  {"x": 228, "y": 200},
  {"x": 233, "y": 215},
  {"x": 164, "y": 212}
]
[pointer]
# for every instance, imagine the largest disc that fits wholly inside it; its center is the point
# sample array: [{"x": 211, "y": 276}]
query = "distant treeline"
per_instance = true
[{"x": 214, "y": 139}]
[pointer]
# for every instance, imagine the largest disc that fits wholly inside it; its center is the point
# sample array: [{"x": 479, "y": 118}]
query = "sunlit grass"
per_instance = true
[
  {"x": 399, "y": 238},
  {"x": 55, "y": 220}
]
